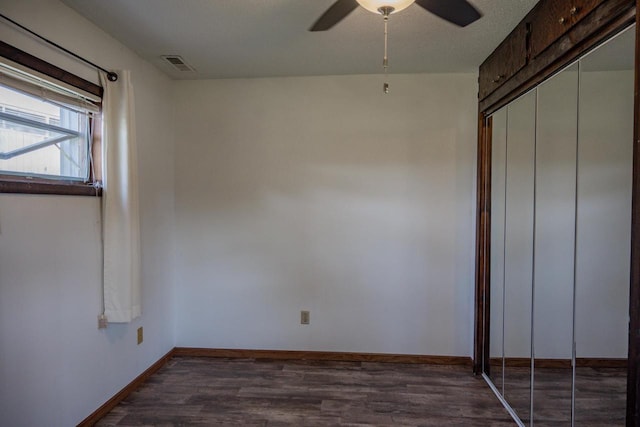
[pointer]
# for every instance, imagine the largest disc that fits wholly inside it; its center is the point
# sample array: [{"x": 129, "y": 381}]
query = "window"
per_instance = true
[
  {"x": 40, "y": 139},
  {"x": 47, "y": 143}
]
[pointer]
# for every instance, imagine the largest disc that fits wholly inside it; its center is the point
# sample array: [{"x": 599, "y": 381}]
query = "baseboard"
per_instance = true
[
  {"x": 322, "y": 355},
  {"x": 103, "y": 410},
  {"x": 581, "y": 362},
  {"x": 586, "y": 362}
]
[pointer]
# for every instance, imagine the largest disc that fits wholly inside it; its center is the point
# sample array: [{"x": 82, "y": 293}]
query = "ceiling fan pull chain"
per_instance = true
[{"x": 385, "y": 60}]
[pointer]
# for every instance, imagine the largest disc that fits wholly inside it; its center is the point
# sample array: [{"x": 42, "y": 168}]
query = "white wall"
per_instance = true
[
  {"x": 56, "y": 367},
  {"x": 556, "y": 141},
  {"x": 518, "y": 229},
  {"x": 324, "y": 194},
  {"x": 603, "y": 133},
  {"x": 597, "y": 127},
  {"x": 604, "y": 213}
]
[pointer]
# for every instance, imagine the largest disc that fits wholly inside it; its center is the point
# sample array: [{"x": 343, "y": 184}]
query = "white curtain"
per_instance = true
[{"x": 120, "y": 212}]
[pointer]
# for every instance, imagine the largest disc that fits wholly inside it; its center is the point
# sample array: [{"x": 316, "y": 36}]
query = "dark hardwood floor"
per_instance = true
[
  {"x": 600, "y": 396},
  {"x": 248, "y": 392}
]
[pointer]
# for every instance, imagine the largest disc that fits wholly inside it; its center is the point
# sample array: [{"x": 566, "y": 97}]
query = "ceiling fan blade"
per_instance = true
[
  {"x": 336, "y": 13},
  {"x": 459, "y": 12}
]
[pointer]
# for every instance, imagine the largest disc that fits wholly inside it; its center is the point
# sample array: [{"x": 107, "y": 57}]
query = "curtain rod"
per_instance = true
[{"x": 110, "y": 74}]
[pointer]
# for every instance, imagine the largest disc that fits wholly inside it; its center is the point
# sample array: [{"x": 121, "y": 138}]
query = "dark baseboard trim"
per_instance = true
[
  {"x": 103, "y": 410},
  {"x": 321, "y": 356},
  {"x": 601, "y": 363},
  {"x": 581, "y": 362}
]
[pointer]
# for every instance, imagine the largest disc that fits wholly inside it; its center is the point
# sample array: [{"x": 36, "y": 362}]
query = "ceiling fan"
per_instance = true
[{"x": 458, "y": 12}]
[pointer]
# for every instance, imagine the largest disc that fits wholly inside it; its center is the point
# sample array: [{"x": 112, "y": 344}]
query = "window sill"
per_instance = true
[{"x": 20, "y": 185}]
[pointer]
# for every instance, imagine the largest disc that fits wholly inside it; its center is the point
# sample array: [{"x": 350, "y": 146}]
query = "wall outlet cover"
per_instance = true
[
  {"x": 304, "y": 317},
  {"x": 102, "y": 321}
]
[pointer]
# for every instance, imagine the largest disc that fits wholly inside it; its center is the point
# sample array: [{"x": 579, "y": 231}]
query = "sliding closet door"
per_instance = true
[
  {"x": 498, "y": 206},
  {"x": 518, "y": 253},
  {"x": 560, "y": 243},
  {"x": 604, "y": 226},
  {"x": 555, "y": 201}
]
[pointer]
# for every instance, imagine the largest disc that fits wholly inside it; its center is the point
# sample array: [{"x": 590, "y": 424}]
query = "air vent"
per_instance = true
[{"x": 178, "y": 63}]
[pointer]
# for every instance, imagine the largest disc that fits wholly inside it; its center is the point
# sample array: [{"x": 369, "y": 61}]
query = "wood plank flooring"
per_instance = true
[
  {"x": 248, "y": 392},
  {"x": 600, "y": 398}
]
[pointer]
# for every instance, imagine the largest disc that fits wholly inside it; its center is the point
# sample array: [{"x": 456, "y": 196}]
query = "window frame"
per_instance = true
[{"x": 36, "y": 185}]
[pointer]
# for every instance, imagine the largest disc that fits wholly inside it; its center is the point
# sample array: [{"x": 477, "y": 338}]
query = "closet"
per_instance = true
[{"x": 554, "y": 258}]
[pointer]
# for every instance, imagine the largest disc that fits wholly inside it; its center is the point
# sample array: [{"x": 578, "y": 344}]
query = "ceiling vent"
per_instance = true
[{"x": 178, "y": 63}]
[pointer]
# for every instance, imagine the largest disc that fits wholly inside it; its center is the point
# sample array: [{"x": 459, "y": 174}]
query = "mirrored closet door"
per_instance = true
[
  {"x": 605, "y": 153},
  {"x": 561, "y": 169}
]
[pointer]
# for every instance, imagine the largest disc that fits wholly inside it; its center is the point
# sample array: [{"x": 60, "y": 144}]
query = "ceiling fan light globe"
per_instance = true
[{"x": 375, "y": 5}]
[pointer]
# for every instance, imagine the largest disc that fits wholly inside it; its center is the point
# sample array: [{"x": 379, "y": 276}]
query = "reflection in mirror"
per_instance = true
[
  {"x": 603, "y": 228},
  {"x": 555, "y": 195},
  {"x": 518, "y": 253},
  {"x": 498, "y": 186}
]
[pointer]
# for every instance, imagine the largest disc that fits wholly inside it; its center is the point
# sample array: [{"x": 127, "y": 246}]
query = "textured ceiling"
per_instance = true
[{"x": 264, "y": 38}]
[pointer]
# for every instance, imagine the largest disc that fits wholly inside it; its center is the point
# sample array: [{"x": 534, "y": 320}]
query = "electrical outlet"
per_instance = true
[
  {"x": 140, "y": 335},
  {"x": 102, "y": 321},
  {"x": 304, "y": 317}
]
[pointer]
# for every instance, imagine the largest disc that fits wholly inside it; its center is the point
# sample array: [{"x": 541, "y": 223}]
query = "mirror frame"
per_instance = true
[{"x": 607, "y": 20}]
